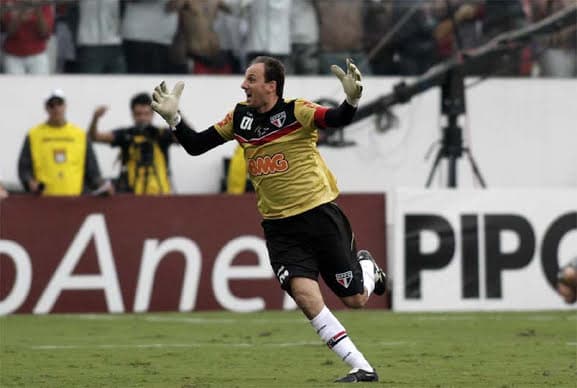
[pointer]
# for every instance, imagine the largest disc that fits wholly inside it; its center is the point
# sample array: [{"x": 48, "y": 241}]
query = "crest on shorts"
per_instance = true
[
  {"x": 345, "y": 278},
  {"x": 278, "y": 119}
]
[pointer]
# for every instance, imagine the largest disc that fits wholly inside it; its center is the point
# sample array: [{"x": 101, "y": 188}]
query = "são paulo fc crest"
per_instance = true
[
  {"x": 344, "y": 279},
  {"x": 278, "y": 119}
]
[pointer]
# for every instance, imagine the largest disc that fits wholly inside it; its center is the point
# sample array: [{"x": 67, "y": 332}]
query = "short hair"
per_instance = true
[
  {"x": 273, "y": 71},
  {"x": 140, "y": 99}
]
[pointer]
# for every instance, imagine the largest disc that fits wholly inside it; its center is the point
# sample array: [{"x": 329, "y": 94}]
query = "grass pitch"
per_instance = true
[{"x": 280, "y": 349}]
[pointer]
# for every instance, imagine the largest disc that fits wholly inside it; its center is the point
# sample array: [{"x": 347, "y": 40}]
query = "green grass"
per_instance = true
[{"x": 280, "y": 349}]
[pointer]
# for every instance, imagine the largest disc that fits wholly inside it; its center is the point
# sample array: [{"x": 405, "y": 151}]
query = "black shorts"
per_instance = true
[{"x": 317, "y": 241}]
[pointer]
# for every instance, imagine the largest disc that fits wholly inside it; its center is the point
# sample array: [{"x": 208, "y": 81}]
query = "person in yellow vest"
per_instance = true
[
  {"x": 237, "y": 180},
  {"x": 144, "y": 149},
  {"x": 57, "y": 158}
]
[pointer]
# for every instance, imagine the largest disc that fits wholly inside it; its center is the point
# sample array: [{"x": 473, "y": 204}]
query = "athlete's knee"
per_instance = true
[
  {"x": 307, "y": 295},
  {"x": 301, "y": 296},
  {"x": 355, "y": 301}
]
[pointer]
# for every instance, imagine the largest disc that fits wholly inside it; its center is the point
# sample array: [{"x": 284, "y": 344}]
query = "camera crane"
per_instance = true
[{"x": 449, "y": 76}]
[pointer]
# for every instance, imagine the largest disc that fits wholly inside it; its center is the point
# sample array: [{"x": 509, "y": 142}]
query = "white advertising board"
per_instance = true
[{"x": 481, "y": 249}]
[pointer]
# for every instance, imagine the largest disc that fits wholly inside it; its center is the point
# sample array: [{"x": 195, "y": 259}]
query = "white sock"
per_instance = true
[
  {"x": 335, "y": 336},
  {"x": 368, "y": 275}
]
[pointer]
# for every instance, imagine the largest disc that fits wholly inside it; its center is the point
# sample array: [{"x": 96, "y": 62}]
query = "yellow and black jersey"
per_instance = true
[
  {"x": 145, "y": 159},
  {"x": 287, "y": 171}
]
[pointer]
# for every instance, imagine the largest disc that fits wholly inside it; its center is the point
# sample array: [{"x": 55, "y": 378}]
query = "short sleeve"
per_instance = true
[
  {"x": 120, "y": 138},
  {"x": 225, "y": 127},
  {"x": 309, "y": 114},
  {"x": 166, "y": 138}
]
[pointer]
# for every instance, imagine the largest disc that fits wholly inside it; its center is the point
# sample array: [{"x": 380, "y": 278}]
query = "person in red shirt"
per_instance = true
[{"x": 28, "y": 27}]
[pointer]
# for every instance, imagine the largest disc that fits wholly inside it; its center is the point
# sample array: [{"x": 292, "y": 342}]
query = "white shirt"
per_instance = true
[
  {"x": 149, "y": 22},
  {"x": 269, "y": 27},
  {"x": 99, "y": 23},
  {"x": 304, "y": 22}
]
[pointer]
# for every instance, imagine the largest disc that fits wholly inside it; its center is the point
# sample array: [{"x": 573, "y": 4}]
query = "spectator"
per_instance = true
[
  {"x": 304, "y": 58},
  {"x": 415, "y": 47},
  {"x": 268, "y": 29},
  {"x": 499, "y": 17},
  {"x": 144, "y": 149},
  {"x": 341, "y": 33},
  {"x": 557, "y": 53},
  {"x": 57, "y": 158},
  {"x": 567, "y": 281},
  {"x": 64, "y": 36},
  {"x": 177, "y": 52},
  {"x": 28, "y": 28},
  {"x": 378, "y": 22},
  {"x": 196, "y": 37},
  {"x": 231, "y": 29},
  {"x": 148, "y": 29},
  {"x": 468, "y": 16},
  {"x": 98, "y": 37}
]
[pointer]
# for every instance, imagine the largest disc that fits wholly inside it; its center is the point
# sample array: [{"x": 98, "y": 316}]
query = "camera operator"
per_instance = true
[{"x": 144, "y": 156}]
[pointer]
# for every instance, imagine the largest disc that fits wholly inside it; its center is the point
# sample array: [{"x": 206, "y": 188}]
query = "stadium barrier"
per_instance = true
[
  {"x": 140, "y": 254},
  {"x": 521, "y": 131}
]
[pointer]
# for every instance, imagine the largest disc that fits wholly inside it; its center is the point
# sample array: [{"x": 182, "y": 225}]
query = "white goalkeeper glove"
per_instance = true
[
  {"x": 165, "y": 103},
  {"x": 351, "y": 81}
]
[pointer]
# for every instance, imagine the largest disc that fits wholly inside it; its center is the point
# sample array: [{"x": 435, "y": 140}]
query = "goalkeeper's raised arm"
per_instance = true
[{"x": 166, "y": 104}]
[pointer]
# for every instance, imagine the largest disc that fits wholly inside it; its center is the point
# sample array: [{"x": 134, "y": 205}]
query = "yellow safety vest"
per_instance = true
[
  {"x": 146, "y": 167},
  {"x": 58, "y": 157},
  {"x": 237, "y": 173}
]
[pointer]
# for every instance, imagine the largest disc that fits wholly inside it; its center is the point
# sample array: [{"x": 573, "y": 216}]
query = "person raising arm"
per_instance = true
[{"x": 307, "y": 234}]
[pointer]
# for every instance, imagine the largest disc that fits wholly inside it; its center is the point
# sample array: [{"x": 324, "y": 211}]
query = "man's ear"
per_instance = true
[{"x": 272, "y": 86}]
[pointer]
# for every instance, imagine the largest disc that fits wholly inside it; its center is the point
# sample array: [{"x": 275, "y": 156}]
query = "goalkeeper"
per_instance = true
[{"x": 306, "y": 233}]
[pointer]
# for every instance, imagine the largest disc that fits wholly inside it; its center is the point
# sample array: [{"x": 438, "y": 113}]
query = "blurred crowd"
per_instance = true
[{"x": 384, "y": 37}]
